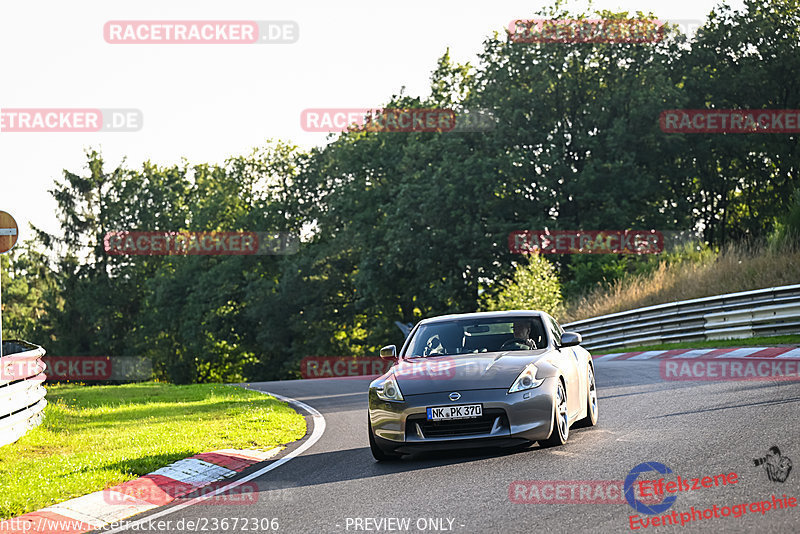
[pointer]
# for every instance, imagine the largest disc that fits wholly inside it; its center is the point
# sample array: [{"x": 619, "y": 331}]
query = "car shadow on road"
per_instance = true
[{"x": 358, "y": 463}]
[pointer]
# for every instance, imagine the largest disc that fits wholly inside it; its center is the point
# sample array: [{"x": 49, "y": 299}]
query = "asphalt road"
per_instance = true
[{"x": 697, "y": 429}]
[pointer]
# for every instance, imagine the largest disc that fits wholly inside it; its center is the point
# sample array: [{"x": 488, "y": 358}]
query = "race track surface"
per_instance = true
[{"x": 697, "y": 429}]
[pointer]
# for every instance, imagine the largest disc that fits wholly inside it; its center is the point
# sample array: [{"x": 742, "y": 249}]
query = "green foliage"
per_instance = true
[
  {"x": 534, "y": 286},
  {"x": 787, "y": 229},
  {"x": 587, "y": 271},
  {"x": 792, "y": 220},
  {"x": 187, "y": 313},
  {"x": 30, "y": 294},
  {"x": 739, "y": 184},
  {"x": 405, "y": 225}
]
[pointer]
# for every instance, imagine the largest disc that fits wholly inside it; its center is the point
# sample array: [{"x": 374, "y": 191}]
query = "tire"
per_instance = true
[
  {"x": 560, "y": 431},
  {"x": 591, "y": 403},
  {"x": 377, "y": 452}
]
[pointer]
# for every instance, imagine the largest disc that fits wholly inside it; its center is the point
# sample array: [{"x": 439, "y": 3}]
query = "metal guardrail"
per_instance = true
[
  {"x": 763, "y": 312},
  {"x": 21, "y": 389}
]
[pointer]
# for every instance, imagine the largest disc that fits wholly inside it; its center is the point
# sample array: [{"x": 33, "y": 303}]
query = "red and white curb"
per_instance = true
[
  {"x": 158, "y": 488},
  {"x": 788, "y": 353},
  {"x": 112, "y": 505}
]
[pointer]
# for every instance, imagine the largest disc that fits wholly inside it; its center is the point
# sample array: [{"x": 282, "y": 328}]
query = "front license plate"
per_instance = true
[{"x": 464, "y": 411}]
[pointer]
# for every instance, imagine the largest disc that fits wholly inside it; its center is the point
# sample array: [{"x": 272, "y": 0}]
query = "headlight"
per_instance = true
[
  {"x": 389, "y": 390},
  {"x": 526, "y": 380}
]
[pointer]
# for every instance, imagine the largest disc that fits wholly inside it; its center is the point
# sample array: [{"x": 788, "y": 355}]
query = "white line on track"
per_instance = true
[{"x": 319, "y": 428}]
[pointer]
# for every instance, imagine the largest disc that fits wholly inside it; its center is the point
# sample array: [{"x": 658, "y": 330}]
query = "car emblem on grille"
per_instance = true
[{"x": 454, "y": 396}]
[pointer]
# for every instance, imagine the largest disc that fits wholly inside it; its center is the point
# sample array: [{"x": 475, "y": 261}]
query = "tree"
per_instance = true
[
  {"x": 30, "y": 294},
  {"x": 534, "y": 286},
  {"x": 740, "y": 184}
]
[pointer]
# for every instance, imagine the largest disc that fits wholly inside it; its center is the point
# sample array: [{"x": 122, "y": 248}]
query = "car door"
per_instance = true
[{"x": 569, "y": 361}]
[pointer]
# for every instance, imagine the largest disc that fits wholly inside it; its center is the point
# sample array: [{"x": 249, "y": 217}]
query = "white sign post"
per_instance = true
[{"x": 9, "y": 232}]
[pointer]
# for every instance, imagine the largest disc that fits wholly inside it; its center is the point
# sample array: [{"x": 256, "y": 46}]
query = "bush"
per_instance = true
[
  {"x": 587, "y": 271},
  {"x": 534, "y": 286},
  {"x": 787, "y": 231}
]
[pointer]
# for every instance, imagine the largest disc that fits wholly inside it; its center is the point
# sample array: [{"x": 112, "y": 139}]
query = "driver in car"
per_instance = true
[{"x": 522, "y": 337}]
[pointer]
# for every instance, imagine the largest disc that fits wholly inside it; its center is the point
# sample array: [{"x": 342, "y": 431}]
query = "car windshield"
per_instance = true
[{"x": 468, "y": 336}]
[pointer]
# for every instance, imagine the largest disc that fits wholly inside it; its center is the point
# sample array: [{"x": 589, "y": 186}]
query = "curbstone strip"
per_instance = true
[
  {"x": 104, "y": 507},
  {"x": 785, "y": 353},
  {"x": 195, "y": 472}
]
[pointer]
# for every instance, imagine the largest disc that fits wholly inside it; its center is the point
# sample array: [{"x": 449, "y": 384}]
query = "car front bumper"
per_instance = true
[{"x": 508, "y": 419}]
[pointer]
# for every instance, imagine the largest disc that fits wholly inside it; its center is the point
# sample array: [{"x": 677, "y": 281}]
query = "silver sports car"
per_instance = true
[{"x": 482, "y": 379}]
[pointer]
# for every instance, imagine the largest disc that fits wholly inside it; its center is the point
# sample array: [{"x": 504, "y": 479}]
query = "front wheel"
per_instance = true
[
  {"x": 591, "y": 403},
  {"x": 560, "y": 431},
  {"x": 377, "y": 452}
]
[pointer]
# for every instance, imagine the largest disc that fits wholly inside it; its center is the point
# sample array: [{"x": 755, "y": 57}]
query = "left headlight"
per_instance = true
[
  {"x": 389, "y": 390},
  {"x": 526, "y": 380}
]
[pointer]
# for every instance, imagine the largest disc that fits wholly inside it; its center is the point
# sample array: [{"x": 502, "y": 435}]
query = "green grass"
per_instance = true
[
  {"x": 719, "y": 344},
  {"x": 94, "y": 437}
]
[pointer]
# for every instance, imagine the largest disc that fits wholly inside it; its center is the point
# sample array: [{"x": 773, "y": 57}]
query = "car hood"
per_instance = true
[{"x": 488, "y": 370}]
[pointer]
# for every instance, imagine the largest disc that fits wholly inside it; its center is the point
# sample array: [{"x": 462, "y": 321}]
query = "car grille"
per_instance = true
[{"x": 457, "y": 427}]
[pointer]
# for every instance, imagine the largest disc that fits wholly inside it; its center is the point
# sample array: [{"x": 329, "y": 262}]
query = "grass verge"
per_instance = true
[
  {"x": 737, "y": 268},
  {"x": 772, "y": 341},
  {"x": 94, "y": 437}
]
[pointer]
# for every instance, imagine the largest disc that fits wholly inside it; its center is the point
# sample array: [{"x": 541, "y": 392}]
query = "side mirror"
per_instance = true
[
  {"x": 570, "y": 339},
  {"x": 389, "y": 352}
]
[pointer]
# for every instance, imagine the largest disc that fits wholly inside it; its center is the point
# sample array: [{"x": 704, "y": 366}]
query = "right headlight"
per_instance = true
[
  {"x": 526, "y": 380},
  {"x": 389, "y": 390}
]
